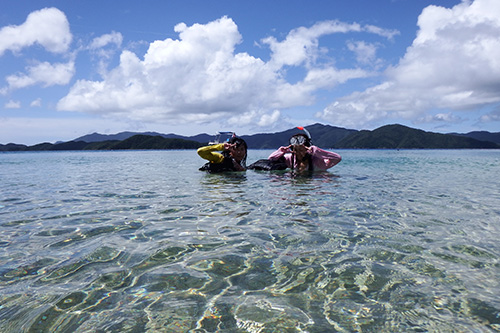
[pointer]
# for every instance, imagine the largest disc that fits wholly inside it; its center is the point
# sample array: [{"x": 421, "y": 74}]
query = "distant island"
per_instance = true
[
  {"x": 137, "y": 142},
  {"x": 402, "y": 137},
  {"x": 326, "y": 136}
]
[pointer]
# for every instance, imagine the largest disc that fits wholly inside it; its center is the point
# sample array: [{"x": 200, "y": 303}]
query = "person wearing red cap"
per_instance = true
[{"x": 301, "y": 155}]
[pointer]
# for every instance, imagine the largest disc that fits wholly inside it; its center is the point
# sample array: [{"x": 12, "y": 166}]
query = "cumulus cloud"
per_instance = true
[
  {"x": 453, "y": 64},
  {"x": 47, "y": 27},
  {"x": 43, "y": 73},
  {"x": 199, "y": 78},
  {"x": 269, "y": 119},
  {"x": 194, "y": 78}
]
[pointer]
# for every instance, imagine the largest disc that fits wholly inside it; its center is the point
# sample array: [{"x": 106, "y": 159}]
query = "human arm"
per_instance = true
[
  {"x": 323, "y": 159},
  {"x": 282, "y": 152},
  {"x": 279, "y": 153},
  {"x": 210, "y": 153}
]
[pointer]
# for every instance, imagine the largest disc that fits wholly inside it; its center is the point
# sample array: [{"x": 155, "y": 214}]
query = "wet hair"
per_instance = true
[{"x": 239, "y": 142}]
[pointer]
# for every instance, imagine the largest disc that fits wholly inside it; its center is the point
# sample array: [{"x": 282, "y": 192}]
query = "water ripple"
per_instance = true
[{"x": 129, "y": 242}]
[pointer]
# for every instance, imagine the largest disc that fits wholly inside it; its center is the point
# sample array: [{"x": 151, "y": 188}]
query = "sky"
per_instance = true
[{"x": 71, "y": 68}]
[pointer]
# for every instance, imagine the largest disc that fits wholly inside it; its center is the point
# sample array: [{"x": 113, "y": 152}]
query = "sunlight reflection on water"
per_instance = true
[{"x": 136, "y": 241}]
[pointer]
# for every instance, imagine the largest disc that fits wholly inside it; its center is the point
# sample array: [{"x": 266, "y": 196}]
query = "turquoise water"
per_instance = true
[{"x": 141, "y": 241}]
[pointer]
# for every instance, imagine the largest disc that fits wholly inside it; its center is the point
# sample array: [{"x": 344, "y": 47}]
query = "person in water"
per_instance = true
[
  {"x": 302, "y": 156},
  {"x": 233, "y": 156}
]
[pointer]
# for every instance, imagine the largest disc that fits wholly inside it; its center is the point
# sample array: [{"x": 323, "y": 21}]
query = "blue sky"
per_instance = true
[{"x": 70, "y": 68}]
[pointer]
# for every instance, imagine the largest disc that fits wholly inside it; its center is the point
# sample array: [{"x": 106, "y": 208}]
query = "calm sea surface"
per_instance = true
[{"x": 141, "y": 241}]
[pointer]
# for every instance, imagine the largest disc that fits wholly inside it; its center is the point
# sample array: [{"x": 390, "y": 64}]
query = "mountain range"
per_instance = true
[{"x": 326, "y": 136}]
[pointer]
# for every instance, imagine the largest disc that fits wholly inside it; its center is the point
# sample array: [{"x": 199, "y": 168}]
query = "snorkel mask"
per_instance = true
[{"x": 300, "y": 139}]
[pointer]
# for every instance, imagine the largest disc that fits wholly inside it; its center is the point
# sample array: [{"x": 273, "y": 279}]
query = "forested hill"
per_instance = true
[
  {"x": 402, "y": 137},
  {"x": 137, "y": 142},
  {"x": 481, "y": 136},
  {"x": 385, "y": 137},
  {"x": 322, "y": 136}
]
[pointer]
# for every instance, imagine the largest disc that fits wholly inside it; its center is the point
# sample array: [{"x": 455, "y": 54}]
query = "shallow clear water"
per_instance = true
[{"x": 138, "y": 241}]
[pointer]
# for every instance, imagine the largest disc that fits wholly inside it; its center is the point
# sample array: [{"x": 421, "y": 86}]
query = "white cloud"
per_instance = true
[
  {"x": 47, "y": 27},
  {"x": 43, "y": 73},
  {"x": 105, "y": 47},
  {"x": 387, "y": 33},
  {"x": 440, "y": 117},
  {"x": 196, "y": 78},
  {"x": 36, "y": 103},
  {"x": 301, "y": 45},
  {"x": 453, "y": 64},
  {"x": 13, "y": 105},
  {"x": 491, "y": 116},
  {"x": 269, "y": 119},
  {"x": 114, "y": 38},
  {"x": 365, "y": 52},
  {"x": 199, "y": 78},
  {"x": 260, "y": 118}
]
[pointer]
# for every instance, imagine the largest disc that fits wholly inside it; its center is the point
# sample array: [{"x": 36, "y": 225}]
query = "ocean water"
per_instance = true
[{"x": 141, "y": 241}]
